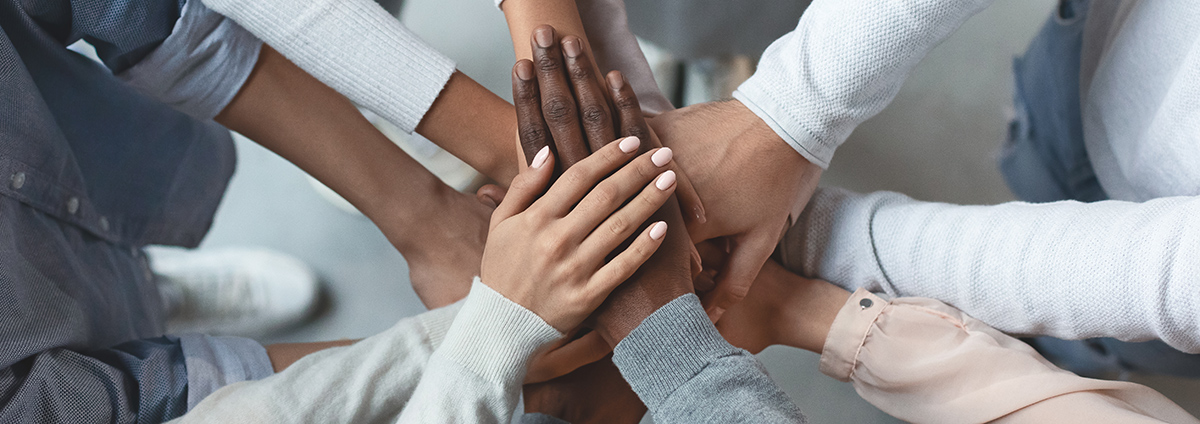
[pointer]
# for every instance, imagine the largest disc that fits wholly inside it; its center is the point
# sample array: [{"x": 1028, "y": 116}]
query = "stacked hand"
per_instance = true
[{"x": 749, "y": 179}]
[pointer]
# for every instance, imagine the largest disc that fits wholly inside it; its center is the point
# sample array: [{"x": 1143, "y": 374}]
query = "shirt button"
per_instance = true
[
  {"x": 18, "y": 180},
  {"x": 104, "y": 223},
  {"x": 73, "y": 205},
  {"x": 865, "y": 303}
]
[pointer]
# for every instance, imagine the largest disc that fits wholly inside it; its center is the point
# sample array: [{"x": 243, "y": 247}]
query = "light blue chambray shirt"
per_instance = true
[{"x": 93, "y": 166}]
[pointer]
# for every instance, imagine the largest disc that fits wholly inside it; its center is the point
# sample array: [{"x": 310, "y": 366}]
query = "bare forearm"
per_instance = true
[
  {"x": 807, "y": 307},
  {"x": 474, "y": 125},
  {"x": 292, "y": 114}
]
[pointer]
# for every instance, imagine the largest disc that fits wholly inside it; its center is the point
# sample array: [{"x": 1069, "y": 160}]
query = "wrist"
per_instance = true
[{"x": 411, "y": 217}]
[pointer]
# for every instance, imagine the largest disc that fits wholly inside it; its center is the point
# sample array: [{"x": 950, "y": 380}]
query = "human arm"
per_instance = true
[
  {"x": 372, "y": 380},
  {"x": 361, "y": 51},
  {"x": 545, "y": 270},
  {"x": 292, "y": 114},
  {"x": 921, "y": 360},
  {"x": 1017, "y": 266},
  {"x": 842, "y": 64}
]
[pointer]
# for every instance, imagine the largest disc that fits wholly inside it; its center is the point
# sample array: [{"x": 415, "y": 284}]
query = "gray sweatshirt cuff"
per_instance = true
[{"x": 669, "y": 348}]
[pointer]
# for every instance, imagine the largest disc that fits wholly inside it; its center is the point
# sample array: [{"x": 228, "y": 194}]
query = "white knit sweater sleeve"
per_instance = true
[
  {"x": 353, "y": 46},
  {"x": 844, "y": 63},
  {"x": 1065, "y": 269},
  {"x": 476, "y": 375},
  {"x": 368, "y": 382}
]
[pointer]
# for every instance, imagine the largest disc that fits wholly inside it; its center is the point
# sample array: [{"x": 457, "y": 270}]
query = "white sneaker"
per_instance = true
[{"x": 235, "y": 291}]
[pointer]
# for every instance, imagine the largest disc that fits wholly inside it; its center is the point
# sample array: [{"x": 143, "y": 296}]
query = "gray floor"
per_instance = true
[{"x": 936, "y": 142}]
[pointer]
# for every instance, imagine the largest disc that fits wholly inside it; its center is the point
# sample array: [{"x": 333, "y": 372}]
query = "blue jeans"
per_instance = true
[{"x": 1045, "y": 160}]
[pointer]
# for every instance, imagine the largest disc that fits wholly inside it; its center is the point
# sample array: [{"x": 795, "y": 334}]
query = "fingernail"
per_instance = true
[
  {"x": 699, "y": 212},
  {"x": 543, "y": 37},
  {"x": 615, "y": 81},
  {"x": 630, "y": 144},
  {"x": 658, "y": 230},
  {"x": 665, "y": 180},
  {"x": 662, "y": 156},
  {"x": 571, "y": 47},
  {"x": 540, "y": 158},
  {"x": 525, "y": 70}
]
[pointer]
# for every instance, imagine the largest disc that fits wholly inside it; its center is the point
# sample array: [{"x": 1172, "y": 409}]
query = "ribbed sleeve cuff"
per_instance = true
[
  {"x": 755, "y": 94},
  {"x": 668, "y": 349},
  {"x": 438, "y": 321},
  {"x": 215, "y": 362},
  {"x": 848, "y": 334},
  {"x": 355, "y": 47},
  {"x": 494, "y": 337}
]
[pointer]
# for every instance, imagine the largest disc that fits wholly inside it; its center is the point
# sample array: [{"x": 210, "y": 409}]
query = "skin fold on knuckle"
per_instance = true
[
  {"x": 594, "y": 116},
  {"x": 545, "y": 61},
  {"x": 558, "y": 108}
]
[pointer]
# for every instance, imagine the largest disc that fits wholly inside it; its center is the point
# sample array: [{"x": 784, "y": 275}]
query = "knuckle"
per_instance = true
[
  {"x": 546, "y": 62},
  {"x": 594, "y": 115},
  {"x": 579, "y": 72},
  {"x": 617, "y": 225},
  {"x": 557, "y": 108},
  {"x": 606, "y": 194},
  {"x": 533, "y": 133},
  {"x": 625, "y": 102},
  {"x": 575, "y": 176}
]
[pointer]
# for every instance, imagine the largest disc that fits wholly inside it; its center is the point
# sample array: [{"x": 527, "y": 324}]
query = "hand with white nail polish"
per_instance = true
[{"x": 548, "y": 252}]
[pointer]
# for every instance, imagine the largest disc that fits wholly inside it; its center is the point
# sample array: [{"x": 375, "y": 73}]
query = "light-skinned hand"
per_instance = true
[
  {"x": 548, "y": 254},
  {"x": 749, "y": 180}
]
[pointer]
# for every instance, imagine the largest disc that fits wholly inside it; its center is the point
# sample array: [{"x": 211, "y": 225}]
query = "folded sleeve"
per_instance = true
[
  {"x": 844, "y": 63},
  {"x": 685, "y": 372},
  {"x": 1017, "y": 266},
  {"x": 923, "y": 361},
  {"x": 201, "y": 66}
]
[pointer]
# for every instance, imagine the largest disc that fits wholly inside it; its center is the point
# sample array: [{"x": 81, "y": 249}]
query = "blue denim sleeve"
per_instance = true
[{"x": 141, "y": 381}]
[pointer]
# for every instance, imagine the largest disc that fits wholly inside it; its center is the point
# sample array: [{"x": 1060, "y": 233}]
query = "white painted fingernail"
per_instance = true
[
  {"x": 657, "y": 230},
  {"x": 665, "y": 180},
  {"x": 662, "y": 156},
  {"x": 629, "y": 144},
  {"x": 540, "y": 158}
]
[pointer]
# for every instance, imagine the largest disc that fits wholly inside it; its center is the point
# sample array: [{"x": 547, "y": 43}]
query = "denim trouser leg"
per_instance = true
[{"x": 1045, "y": 160}]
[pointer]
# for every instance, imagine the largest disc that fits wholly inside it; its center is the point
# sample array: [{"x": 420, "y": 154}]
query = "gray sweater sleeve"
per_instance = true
[{"x": 685, "y": 372}]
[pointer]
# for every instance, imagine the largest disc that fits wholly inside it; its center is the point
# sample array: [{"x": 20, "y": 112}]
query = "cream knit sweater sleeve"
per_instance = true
[
  {"x": 844, "y": 63},
  {"x": 353, "y": 46},
  {"x": 1065, "y": 269},
  {"x": 367, "y": 382},
  {"x": 476, "y": 375}
]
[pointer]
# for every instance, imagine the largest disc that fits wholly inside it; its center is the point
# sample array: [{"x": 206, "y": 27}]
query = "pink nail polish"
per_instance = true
[
  {"x": 658, "y": 230},
  {"x": 665, "y": 180},
  {"x": 630, "y": 144},
  {"x": 662, "y": 156},
  {"x": 540, "y": 158}
]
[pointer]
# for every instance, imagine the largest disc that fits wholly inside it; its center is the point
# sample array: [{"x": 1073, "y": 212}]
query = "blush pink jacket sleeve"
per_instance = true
[{"x": 923, "y": 361}]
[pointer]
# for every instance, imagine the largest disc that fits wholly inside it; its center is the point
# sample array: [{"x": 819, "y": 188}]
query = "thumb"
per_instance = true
[{"x": 741, "y": 268}]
